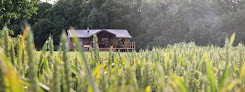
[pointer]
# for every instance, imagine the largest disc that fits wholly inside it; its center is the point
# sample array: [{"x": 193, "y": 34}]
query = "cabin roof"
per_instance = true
[{"x": 120, "y": 33}]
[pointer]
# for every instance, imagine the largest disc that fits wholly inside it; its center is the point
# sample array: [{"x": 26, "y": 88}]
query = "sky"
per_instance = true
[{"x": 50, "y": 1}]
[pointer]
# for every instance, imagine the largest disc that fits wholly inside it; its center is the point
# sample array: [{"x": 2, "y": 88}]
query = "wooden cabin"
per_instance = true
[{"x": 117, "y": 39}]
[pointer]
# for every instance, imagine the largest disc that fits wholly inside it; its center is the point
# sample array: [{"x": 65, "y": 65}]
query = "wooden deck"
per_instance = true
[
  {"x": 117, "y": 49},
  {"x": 125, "y": 47}
]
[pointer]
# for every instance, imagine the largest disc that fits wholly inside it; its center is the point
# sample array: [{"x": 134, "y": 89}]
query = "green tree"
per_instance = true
[
  {"x": 42, "y": 30},
  {"x": 16, "y": 8},
  {"x": 91, "y": 14},
  {"x": 96, "y": 19},
  {"x": 42, "y": 12},
  {"x": 234, "y": 23}
]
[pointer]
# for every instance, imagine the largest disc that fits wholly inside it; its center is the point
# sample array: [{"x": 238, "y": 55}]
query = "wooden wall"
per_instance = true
[
  {"x": 105, "y": 34},
  {"x": 112, "y": 40},
  {"x": 86, "y": 41}
]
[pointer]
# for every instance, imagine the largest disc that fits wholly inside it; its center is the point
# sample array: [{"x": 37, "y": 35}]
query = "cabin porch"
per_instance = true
[{"x": 130, "y": 46}]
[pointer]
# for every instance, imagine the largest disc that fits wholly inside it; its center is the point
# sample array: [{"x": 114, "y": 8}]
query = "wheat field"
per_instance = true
[{"x": 183, "y": 67}]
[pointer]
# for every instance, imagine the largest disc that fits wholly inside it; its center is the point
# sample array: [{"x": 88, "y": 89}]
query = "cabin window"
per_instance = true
[
  {"x": 80, "y": 40},
  {"x": 121, "y": 41},
  {"x": 104, "y": 40}
]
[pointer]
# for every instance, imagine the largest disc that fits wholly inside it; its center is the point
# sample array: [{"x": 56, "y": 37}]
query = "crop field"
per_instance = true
[
  {"x": 72, "y": 54},
  {"x": 182, "y": 67}
]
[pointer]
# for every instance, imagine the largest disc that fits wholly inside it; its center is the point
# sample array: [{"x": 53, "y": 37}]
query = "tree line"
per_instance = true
[{"x": 150, "y": 22}]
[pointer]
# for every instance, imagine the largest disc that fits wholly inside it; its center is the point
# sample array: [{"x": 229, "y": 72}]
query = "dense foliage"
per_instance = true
[
  {"x": 16, "y": 8},
  {"x": 182, "y": 67},
  {"x": 150, "y": 22}
]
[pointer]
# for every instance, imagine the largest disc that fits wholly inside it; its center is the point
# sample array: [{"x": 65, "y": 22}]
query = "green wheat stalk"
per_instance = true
[
  {"x": 6, "y": 41},
  {"x": 83, "y": 57},
  {"x": 12, "y": 54},
  {"x": 67, "y": 76},
  {"x": 31, "y": 61}
]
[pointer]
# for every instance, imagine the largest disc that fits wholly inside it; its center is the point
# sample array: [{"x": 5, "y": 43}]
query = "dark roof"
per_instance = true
[{"x": 120, "y": 33}]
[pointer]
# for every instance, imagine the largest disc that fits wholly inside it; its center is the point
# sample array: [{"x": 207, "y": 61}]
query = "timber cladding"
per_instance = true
[{"x": 118, "y": 39}]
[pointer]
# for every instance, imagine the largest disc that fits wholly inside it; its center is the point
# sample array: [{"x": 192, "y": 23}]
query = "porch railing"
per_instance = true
[
  {"x": 129, "y": 45},
  {"x": 126, "y": 45}
]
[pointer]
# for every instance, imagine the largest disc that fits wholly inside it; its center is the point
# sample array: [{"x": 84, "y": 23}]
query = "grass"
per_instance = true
[
  {"x": 72, "y": 54},
  {"x": 176, "y": 68}
]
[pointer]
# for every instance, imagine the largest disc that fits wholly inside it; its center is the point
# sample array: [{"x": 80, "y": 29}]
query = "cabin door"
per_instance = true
[{"x": 105, "y": 39}]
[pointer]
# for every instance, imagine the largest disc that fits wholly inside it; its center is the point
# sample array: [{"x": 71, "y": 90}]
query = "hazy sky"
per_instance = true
[{"x": 50, "y": 1}]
